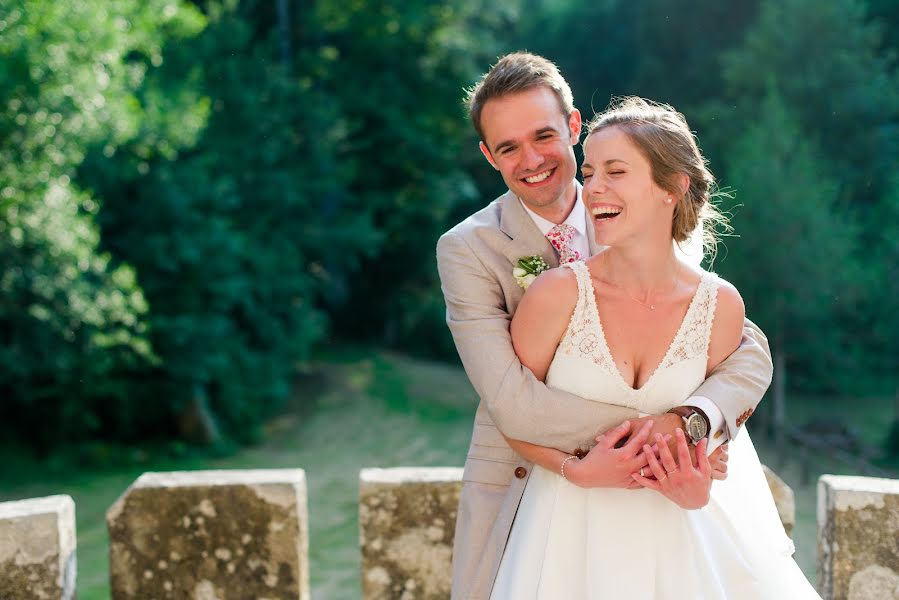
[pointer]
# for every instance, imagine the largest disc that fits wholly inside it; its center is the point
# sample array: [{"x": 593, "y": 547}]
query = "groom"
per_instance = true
[{"x": 522, "y": 110}]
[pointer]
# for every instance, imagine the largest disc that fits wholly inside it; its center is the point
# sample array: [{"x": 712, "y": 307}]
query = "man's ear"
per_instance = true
[
  {"x": 574, "y": 126},
  {"x": 486, "y": 152}
]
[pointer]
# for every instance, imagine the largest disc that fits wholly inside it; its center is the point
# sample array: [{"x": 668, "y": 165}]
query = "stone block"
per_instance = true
[
  {"x": 783, "y": 500},
  {"x": 858, "y": 538},
  {"x": 407, "y": 518},
  {"x": 211, "y": 535},
  {"x": 37, "y": 549}
]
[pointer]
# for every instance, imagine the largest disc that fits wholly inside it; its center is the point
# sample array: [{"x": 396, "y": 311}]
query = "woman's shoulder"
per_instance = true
[
  {"x": 728, "y": 297},
  {"x": 553, "y": 282},
  {"x": 730, "y": 302}
]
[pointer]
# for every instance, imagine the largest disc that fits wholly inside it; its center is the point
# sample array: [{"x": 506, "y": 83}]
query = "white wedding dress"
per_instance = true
[{"x": 571, "y": 543}]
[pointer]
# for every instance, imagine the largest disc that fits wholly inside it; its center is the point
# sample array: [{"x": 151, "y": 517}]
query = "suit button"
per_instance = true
[{"x": 520, "y": 472}]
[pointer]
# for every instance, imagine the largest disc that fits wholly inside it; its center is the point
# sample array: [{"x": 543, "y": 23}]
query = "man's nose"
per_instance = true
[{"x": 532, "y": 157}]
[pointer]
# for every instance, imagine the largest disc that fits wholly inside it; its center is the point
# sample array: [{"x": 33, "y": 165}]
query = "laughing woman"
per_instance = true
[{"x": 637, "y": 326}]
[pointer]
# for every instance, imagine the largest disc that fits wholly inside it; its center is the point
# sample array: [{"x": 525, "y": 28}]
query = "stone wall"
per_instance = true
[
  {"x": 211, "y": 535},
  {"x": 407, "y": 518},
  {"x": 858, "y": 538},
  {"x": 37, "y": 549},
  {"x": 221, "y": 535}
]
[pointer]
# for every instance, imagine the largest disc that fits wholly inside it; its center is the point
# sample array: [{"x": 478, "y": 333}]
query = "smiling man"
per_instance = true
[{"x": 523, "y": 112}]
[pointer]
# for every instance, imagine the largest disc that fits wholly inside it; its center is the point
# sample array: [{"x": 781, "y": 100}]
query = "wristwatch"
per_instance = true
[{"x": 696, "y": 423}]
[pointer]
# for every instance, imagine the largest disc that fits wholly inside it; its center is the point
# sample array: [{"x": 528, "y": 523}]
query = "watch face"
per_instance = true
[{"x": 696, "y": 428}]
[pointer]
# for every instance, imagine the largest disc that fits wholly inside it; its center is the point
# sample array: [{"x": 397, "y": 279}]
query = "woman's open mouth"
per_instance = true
[{"x": 605, "y": 213}]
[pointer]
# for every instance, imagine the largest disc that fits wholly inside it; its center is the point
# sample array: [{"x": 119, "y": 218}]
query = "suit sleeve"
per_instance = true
[
  {"x": 737, "y": 385},
  {"x": 521, "y": 406}
]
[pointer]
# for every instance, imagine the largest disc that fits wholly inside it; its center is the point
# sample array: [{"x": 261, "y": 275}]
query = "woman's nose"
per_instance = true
[{"x": 595, "y": 185}]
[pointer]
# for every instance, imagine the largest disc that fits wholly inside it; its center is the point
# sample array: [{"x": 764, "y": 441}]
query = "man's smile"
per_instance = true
[{"x": 538, "y": 177}]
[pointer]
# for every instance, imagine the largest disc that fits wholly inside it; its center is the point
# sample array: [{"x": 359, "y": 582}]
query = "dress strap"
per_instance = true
[
  {"x": 693, "y": 339},
  {"x": 584, "y": 337}
]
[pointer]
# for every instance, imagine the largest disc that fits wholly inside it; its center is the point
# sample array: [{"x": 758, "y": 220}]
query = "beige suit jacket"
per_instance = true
[{"x": 475, "y": 260}]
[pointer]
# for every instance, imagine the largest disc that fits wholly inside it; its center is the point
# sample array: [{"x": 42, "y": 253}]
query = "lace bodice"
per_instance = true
[{"x": 681, "y": 370}]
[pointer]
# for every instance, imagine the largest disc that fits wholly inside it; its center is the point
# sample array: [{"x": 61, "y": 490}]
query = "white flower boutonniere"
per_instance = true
[{"x": 527, "y": 269}]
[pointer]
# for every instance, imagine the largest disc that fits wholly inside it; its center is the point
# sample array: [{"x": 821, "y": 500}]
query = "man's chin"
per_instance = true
[{"x": 541, "y": 200}]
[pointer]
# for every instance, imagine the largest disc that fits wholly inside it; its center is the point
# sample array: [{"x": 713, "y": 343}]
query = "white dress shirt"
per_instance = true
[{"x": 577, "y": 218}]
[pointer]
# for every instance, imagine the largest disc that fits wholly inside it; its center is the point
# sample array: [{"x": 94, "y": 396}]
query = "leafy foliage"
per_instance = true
[
  {"x": 794, "y": 256},
  {"x": 398, "y": 70},
  {"x": 195, "y": 195},
  {"x": 72, "y": 320}
]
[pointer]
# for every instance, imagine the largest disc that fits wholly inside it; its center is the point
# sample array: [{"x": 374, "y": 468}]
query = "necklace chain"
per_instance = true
[{"x": 642, "y": 302}]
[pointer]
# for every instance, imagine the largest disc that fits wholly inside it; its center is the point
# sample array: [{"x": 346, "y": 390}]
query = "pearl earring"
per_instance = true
[{"x": 667, "y": 200}]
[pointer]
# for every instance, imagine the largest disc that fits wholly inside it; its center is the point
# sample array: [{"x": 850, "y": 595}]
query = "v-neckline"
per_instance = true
[{"x": 591, "y": 298}]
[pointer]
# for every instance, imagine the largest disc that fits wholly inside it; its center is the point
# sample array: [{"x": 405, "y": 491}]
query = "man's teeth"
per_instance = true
[
  {"x": 606, "y": 210},
  {"x": 539, "y": 177}
]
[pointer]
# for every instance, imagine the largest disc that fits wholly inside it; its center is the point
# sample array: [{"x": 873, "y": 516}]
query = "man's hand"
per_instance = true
[
  {"x": 718, "y": 462},
  {"x": 608, "y": 466},
  {"x": 683, "y": 482}
]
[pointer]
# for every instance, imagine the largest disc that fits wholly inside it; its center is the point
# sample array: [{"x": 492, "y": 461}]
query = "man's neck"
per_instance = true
[{"x": 559, "y": 210}]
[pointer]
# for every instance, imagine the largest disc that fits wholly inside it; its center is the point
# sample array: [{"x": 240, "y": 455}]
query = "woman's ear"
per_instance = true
[{"x": 683, "y": 183}]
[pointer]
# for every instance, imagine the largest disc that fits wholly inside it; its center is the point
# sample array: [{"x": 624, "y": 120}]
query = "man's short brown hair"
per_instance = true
[{"x": 514, "y": 73}]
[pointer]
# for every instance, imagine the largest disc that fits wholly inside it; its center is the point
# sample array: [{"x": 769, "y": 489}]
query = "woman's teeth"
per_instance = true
[
  {"x": 606, "y": 212},
  {"x": 538, "y": 177}
]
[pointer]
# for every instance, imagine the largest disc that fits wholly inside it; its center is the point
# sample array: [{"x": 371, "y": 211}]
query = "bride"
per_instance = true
[{"x": 638, "y": 326}]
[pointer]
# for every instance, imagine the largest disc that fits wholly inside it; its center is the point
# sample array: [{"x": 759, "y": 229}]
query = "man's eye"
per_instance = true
[
  {"x": 616, "y": 172},
  {"x": 587, "y": 176},
  {"x": 507, "y": 150}
]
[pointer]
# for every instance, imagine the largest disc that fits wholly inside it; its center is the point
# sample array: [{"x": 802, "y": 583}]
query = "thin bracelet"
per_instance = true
[{"x": 563, "y": 466}]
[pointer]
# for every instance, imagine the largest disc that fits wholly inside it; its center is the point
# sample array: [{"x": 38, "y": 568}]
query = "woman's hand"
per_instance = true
[
  {"x": 608, "y": 466},
  {"x": 683, "y": 482}
]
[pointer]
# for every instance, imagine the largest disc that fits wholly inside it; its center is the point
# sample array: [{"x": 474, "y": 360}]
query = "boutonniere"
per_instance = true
[{"x": 527, "y": 269}]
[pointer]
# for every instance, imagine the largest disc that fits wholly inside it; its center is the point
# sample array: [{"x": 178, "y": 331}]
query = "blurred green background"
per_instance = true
[{"x": 219, "y": 219}]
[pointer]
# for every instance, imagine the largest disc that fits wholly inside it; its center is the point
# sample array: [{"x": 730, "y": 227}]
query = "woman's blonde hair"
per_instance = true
[{"x": 664, "y": 138}]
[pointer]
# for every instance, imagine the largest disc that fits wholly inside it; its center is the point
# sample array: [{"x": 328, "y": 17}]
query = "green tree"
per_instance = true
[
  {"x": 828, "y": 60},
  {"x": 398, "y": 69},
  {"x": 229, "y": 201},
  {"x": 794, "y": 258},
  {"x": 72, "y": 320}
]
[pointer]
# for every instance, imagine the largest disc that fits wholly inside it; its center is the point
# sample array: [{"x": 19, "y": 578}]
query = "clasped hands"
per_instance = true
[{"x": 654, "y": 455}]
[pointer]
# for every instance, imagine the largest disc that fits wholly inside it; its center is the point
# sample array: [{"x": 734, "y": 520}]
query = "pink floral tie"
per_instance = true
[{"x": 560, "y": 237}]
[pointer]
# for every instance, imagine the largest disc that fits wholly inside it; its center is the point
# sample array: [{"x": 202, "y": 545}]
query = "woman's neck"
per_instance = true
[{"x": 641, "y": 271}]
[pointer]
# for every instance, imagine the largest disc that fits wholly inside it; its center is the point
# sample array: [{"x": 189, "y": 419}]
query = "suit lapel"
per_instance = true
[{"x": 525, "y": 239}]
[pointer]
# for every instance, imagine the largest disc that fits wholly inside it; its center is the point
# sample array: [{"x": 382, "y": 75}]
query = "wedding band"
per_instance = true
[
  {"x": 674, "y": 470},
  {"x": 663, "y": 478}
]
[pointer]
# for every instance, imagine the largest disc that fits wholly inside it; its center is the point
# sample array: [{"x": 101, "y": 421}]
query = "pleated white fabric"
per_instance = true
[{"x": 571, "y": 543}]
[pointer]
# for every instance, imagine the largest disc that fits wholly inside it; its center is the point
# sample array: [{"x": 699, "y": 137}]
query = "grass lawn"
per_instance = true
[{"x": 355, "y": 408}]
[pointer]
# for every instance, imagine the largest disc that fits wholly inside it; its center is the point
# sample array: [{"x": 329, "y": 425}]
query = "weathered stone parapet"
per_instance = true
[
  {"x": 858, "y": 538},
  {"x": 783, "y": 500},
  {"x": 211, "y": 535},
  {"x": 407, "y": 518},
  {"x": 37, "y": 549}
]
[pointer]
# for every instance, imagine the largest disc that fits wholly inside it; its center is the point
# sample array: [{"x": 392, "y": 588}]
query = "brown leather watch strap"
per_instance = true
[{"x": 687, "y": 411}]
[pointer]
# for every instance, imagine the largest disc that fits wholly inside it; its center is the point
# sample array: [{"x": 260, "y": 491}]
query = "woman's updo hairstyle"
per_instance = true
[{"x": 664, "y": 138}]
